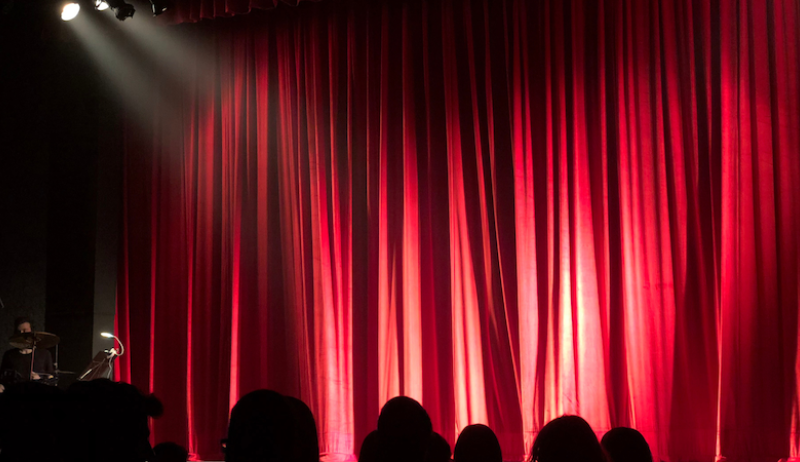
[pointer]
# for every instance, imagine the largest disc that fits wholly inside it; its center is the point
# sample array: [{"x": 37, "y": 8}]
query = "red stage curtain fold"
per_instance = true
[{"x": 507, "y": 210}]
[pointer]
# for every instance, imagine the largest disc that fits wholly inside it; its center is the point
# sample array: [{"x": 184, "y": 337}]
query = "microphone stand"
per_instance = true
[
  {"x": 56, "y": 370},
  {"x": 33, "y": 355},
  {"x": 112, "y": 354}
]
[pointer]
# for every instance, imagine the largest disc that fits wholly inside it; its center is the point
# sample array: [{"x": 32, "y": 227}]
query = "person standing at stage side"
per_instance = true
[{"x": 16, "y": 364}]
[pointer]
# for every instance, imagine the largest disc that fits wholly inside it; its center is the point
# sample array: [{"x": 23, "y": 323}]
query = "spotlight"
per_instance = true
[
  {"x": 121, "y": 9},
  {"x": 159, "y": 6},
  {"x": 100, "y": 5},
  {"x": 69, "y": 11}
]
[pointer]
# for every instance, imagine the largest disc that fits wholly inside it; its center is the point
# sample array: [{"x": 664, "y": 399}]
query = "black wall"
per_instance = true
[
  {"x": 60, "y": 172},
  {"x": 23, "y": 172}
]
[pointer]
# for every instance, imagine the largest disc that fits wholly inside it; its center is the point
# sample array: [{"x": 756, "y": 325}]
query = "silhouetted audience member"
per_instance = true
[
  {"x": 306, "y": 446},
  {"x": 170, "y": 452},
  {"x": 567, "y": 439},
  {"x": 261, "y": 429},
  {"x": 405, "y": 429},
  {"x": 438, "y": 449},
  {"x": 477, "y": 443},
  {"x": 31, "y": 414},
  {"x": 109, "y": 421},
  {"x": 625, "y": 444},
  {"x": 370, "y": 448},
  {"x": 98, "y": 420}
]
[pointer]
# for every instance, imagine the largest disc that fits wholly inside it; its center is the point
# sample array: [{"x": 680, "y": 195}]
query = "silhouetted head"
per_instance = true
[
  {"x": 626, "y": 445},
  {"x": 477, "y": 443},
  {"x": 438, "y": 449},
  {"x": 370, "y": 448},
  {"x": 261, "y": 429},
  {"x": 26, "y": 409},
  {"x": 567, "y": 439},
  {"x": 306, "y": 446},
  {"x": 170, "y": 452},
  {"x": 404, "y": 428},
  {"x": 117, "y": 411}
]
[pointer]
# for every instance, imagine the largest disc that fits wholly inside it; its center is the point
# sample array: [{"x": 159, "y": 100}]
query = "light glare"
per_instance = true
[
  {"x": 106, "y": 335},
  {"x": 101, "y": 5},
  {"x": 70, "y": 11}
]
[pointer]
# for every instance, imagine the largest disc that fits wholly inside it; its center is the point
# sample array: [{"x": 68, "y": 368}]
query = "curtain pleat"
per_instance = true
[{"x": 507, "y": 210}]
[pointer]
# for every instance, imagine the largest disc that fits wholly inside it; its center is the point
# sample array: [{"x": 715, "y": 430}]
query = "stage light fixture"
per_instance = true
[
  {"x": 100, "y": 5},
  {"x": 70, "y": 11},
  {"x": 159, "y": 6},
  {"x": 121, "y": 10}
]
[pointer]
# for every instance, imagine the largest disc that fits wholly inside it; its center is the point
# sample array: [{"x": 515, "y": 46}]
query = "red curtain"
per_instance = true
[
  {"x": 507, "y": 210},
  {"x": 196, "y": 10}
]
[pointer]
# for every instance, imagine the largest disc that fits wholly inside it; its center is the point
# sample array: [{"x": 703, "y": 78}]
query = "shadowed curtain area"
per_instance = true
[
  {"x": 508, "y": 210},
  {"x": 180, "y": 11}
]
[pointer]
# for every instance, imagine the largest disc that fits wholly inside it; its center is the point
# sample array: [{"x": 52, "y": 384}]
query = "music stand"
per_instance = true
[{"x": 100, "y": 367}]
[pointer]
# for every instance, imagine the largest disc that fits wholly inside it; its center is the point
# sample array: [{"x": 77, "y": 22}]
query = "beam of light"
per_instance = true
[
  {"x": 133, "y": 84},
  {"x": 70, "y": 11},
  {"x": 182, "y": 58}
]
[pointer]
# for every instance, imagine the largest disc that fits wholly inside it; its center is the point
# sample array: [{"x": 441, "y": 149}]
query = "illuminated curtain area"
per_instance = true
[{"x": 507, "y": 210}]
